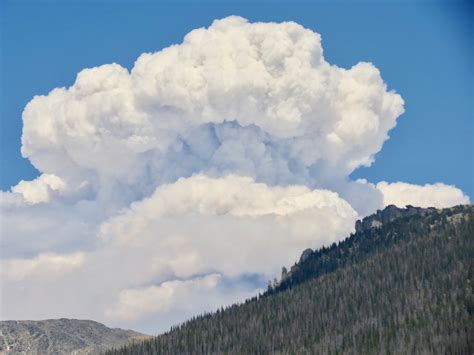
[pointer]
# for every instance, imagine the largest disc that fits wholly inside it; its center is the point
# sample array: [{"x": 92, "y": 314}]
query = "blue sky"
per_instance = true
[{"x": 423, "y": 49}]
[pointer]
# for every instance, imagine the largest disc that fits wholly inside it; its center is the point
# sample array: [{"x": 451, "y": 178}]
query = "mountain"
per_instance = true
[
  {"x": 402, "y": 283},
  {"x": 61, "y": 336},
  {"x": 370, "y": 237}
]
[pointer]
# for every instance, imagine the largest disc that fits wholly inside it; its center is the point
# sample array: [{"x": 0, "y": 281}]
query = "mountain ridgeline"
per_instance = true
[
  {"x": 402, "y": 283},
  {"x": 61, "y": 336},
  {"x": 371, "y": 235}
]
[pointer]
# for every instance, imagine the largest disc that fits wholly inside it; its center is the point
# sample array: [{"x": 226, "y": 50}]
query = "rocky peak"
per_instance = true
[
  {"x": 389, "y": 214},
  {"x": 306, "y": 254}
]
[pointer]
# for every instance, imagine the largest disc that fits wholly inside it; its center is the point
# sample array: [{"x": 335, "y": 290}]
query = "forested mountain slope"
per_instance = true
[
  {"x": 404, "y": 285},
  {"x": 373, "y": 233}
]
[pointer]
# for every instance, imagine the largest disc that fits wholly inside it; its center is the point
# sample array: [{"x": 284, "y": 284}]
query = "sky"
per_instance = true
[{"x": 140, "y": 179}]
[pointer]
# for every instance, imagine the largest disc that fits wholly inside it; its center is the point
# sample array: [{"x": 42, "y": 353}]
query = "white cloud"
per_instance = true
[
  {"x": 139, "y": 302},
  {"x": 232, "y": 226},
  {"x": 56, "y": 227},
  {"x": 253, "y": 99},
  {"x": 435, "y": 195},
  {"x": 41, "y": 189},
  {"x": 44, "y": 264}
]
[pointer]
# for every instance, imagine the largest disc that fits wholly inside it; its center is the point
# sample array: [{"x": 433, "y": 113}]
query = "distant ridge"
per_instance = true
[{"x": 61, "y": 336}]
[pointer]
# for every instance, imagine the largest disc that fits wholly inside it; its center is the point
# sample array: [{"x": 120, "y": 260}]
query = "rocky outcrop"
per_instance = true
[
  {"x": 61, "y": 336},
  {"x": 306, "y": 254},
  {"x": 389, "y": 214}
]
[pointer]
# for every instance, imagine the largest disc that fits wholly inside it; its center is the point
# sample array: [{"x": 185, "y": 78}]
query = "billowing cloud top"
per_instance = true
[
  {"x": 187, "y": 182},
  {"x": 254, "y": 99}
]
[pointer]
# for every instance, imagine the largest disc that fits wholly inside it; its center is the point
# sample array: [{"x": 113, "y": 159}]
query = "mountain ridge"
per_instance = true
[
  {"x": 313, "y": 263},
  {"x": 61, "y": 336}
]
